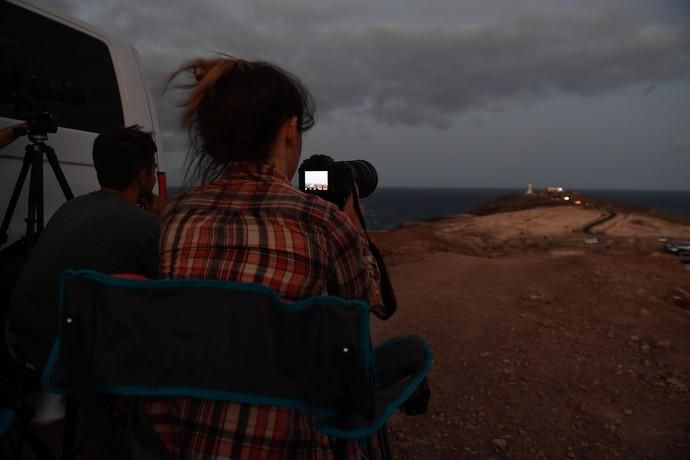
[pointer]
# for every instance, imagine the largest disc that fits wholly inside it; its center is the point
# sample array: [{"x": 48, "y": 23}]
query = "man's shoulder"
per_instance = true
[{"x": 104, "y": 206}]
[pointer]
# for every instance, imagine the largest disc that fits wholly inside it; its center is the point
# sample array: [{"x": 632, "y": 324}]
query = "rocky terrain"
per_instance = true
[{"x": 548, "y": 342}]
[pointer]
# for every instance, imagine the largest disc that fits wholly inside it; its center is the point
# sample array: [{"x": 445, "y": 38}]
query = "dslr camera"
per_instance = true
[
  {"x": 42, "y": 123},
  {"x": 335, "y": 180}
]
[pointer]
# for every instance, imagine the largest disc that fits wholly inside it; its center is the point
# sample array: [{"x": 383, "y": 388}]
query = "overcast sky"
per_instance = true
[{"x": 450, "y": 93}]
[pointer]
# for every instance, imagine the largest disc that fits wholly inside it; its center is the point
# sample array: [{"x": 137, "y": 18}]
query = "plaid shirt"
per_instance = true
[{"x": 254, "y": 226}]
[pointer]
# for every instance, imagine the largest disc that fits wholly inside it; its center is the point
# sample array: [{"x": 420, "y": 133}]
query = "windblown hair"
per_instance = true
[
  {"x": 120, "y": 154},
  {"x": 234, "y": 112}
]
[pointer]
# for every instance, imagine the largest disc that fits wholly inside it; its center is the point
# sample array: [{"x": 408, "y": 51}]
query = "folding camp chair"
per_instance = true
[{"x": 227, "y": 341}]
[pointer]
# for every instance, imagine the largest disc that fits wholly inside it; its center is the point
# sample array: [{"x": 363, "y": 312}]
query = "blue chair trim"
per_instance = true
[
  {"x": 6, "y": 417},
  {"x": 323, "y": 415}
]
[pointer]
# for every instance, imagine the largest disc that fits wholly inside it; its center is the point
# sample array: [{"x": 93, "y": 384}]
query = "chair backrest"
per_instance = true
[{"x": 231, "y": 341}]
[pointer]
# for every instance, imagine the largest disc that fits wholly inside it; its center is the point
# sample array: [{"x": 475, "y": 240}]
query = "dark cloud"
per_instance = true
[
  {"x": 401, "y": 72},
  {"x": 407, "y": 63},
  {"x": 427, "y": 76},
  {"x": 681, "y": 145}
]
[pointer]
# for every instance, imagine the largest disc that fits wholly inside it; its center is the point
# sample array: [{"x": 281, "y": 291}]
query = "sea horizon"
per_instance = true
[{"x": 390, "y": 207}]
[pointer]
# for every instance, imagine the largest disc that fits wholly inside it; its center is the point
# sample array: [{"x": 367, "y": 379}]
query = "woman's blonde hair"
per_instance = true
[{"x": 235, "y": 109}]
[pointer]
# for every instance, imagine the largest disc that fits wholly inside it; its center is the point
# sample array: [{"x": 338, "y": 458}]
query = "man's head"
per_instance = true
[{"x": 125, "y": 158}]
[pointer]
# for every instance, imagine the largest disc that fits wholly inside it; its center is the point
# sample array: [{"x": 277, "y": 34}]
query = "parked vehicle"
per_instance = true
[
  {"x": 87, "y": 80},
  {"x": 677, "y": 247}
]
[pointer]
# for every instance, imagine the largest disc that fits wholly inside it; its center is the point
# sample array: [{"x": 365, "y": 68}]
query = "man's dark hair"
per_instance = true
[{"x": 120, "y": 154}]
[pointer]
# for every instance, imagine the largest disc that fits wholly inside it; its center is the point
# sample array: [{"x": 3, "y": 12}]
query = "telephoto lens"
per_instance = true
[{"x": 365, "y": 176}]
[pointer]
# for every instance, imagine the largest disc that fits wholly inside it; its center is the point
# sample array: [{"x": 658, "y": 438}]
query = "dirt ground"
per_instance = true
[{"x": 547, "y": 343}]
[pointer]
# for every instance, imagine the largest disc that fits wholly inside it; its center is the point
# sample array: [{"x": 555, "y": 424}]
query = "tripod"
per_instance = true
[
  {"x": 33, "y": 160},
  {"x": 13, "y": 257}
]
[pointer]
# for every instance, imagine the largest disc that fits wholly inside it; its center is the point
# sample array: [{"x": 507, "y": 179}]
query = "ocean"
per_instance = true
[{"x": 388, "y": 208}]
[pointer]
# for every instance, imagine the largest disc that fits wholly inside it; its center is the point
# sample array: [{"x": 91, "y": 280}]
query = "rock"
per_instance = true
[
  {"x": 635, "y": 338},
  {"x": 663, "y": 344},
  {"x": 500, "y": 443},
  {"x": 681, "y": 292},
  {"x": 628, "y": 411},
  {"x": 485, "y": 354},
  {"x": 677, "y": 384},
  {"x": 644, "y": 313}
]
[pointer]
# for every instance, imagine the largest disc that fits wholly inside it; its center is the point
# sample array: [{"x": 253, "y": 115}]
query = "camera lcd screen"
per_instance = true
[{"x": 315, "y": 180}]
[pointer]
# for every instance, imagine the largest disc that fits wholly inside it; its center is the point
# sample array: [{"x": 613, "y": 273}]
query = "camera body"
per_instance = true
[
  {"x": 334, "y": 180},
  {"x": 44, "y": 122}
]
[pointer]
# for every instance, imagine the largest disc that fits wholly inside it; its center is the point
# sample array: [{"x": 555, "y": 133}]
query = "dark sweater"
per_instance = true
[{"x": 99, "y": 231}]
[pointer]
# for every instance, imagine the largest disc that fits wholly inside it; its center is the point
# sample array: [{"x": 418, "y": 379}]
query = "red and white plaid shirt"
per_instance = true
[{"x": 254, "y": 226}]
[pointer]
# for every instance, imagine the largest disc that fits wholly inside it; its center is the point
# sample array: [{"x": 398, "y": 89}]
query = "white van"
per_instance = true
[{"x": 109, "y": 74}]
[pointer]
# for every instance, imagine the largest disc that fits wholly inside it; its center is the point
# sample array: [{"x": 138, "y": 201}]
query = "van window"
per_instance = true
[{"x": 54, "y": 51}]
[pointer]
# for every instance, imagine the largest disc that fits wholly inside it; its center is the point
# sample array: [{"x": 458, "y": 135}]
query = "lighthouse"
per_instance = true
[{"x": 529, "y": 189}]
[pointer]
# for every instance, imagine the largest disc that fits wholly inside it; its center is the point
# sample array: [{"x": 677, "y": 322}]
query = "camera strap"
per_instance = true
[{"x": 390, "y": 303}]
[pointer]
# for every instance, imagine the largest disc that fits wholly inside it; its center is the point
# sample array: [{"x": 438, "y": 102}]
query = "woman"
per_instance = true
[{"x": 248, "y": 223}]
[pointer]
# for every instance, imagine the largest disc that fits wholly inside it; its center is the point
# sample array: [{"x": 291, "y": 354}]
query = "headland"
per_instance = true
[{"x": 559, "y": 330}]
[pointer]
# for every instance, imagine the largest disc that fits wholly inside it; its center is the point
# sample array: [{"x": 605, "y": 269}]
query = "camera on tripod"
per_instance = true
[
  {"x": 43, "y": 123},
  {"x": 38, "y": 127},
  {"x": 28, "y": 95},
  {"x": 334, "y": 180}
]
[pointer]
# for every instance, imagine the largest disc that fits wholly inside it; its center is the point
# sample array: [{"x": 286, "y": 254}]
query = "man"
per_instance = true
[{"x": 104, "y": 231}]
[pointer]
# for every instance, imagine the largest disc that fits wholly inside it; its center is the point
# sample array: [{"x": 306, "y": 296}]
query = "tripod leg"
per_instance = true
[
  {"x": 34, "y": 222},
  {"x": 57, "y": 170},
  {"x": 26, "y": 164}
]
